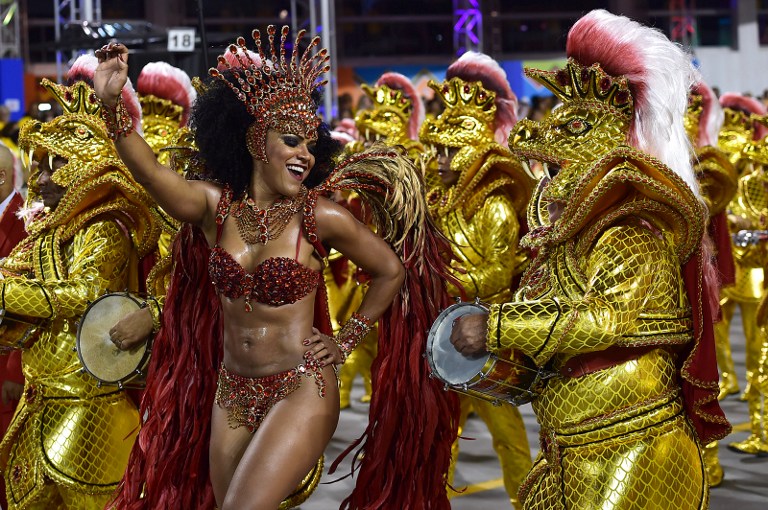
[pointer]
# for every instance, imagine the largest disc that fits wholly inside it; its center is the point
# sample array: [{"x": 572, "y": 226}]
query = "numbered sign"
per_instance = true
[{"x": 181, "y": 39}]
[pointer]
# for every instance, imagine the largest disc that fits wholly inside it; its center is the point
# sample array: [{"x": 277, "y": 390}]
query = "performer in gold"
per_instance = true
[
  {"x": 394, "y": 118},
  {"x": 718, "y": 181},
  {"x": 480, "y": 207},
  {"x": 755, "y": 187},
  {"x": 757, "y": 442},
  {"x": 746, "y": 211},
  {"x": 618, "y": 301},
  {"x": 68, "y": 443}
]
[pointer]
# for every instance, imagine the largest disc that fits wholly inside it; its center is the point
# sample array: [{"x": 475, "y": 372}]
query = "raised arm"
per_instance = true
[{"x": 184, "y": 200}]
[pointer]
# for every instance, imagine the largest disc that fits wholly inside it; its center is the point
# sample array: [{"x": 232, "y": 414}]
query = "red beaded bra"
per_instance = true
[{"x": 276, "y": 281}]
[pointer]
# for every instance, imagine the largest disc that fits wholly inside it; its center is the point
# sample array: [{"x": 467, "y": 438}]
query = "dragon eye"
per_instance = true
[
  {"x": 81, "y": 133},
  {"x": 468, "y": 123},
  {"x": 578, "y": 126}
]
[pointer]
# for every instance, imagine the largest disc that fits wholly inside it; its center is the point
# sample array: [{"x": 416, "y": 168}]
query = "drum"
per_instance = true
[
  {"x": 99, "y": 355},
  {"x": 486, "y": 376},
  {"x": 16, "y": 333}
]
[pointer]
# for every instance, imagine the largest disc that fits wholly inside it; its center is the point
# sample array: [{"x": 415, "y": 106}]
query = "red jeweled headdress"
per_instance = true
[{"x": 277, "y": 91}]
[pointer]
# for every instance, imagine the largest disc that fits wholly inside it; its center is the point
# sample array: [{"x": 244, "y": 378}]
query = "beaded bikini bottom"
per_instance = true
[{"x": 249, "y": 399}]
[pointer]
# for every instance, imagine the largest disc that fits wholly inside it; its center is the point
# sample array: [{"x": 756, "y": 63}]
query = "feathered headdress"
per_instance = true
[{"x": 277, "y": 92}]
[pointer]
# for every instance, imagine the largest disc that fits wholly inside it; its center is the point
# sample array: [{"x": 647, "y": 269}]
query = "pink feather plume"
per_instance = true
[{"x": 165, "y": 81}]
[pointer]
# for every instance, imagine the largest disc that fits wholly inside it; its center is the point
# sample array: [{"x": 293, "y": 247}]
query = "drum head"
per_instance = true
[
  {"x": 100, "y": 356},
  {"x": 450, "y": 365}
]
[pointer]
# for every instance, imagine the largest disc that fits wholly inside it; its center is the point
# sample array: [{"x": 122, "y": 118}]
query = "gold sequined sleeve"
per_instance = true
[
  {"x": 619, "y": 273},
  {"x": 491, "y": 261},
  {"x": 100, "y": 255}
]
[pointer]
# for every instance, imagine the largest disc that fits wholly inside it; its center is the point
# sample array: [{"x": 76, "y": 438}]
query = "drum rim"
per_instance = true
[{"x": 142, "y": 362}]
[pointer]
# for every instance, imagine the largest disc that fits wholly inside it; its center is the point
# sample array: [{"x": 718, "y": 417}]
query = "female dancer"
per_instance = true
[{"x": 276, "y": 404}]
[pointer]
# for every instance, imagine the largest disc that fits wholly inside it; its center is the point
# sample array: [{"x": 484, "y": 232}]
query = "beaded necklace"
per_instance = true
[{"x": 257, "y": 225}]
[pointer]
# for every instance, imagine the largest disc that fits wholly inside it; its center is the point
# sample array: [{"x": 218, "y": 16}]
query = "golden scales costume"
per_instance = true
[
  {"x": 756, "y": 185},
  {"x": 747, "y": 208},
  {"x": 615, "y": 301},
  {"x": 481, "y": 214},
  {"x": 69, "y": 441}
]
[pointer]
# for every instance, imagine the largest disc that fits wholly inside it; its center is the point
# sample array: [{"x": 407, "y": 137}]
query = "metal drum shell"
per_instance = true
[{"x": 487, "y": 377}]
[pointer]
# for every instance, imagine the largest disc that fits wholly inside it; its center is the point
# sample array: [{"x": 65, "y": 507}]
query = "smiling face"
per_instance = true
[{"x": 290, "y": 161}]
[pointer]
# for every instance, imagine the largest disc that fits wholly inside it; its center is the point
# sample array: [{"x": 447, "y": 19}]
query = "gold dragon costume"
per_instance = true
[
  {"x": 757, "y": 250},
  {"x": 615, "y": 301},
  {"x": 482, "y": 214},
  {"x": 12, "y": 232},
  {"x": 746, "y": 210},
  {"x": 394, "y": 118},
  {"x": 68, "y": 444},
  {"x": 395, "y": 115},
  {"x": 718, "y": 182}
]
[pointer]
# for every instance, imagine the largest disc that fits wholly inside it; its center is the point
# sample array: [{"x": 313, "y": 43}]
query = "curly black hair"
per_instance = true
[{"x": 220, "y": 121}]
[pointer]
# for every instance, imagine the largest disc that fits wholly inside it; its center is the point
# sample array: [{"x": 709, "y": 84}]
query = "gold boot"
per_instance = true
[
  {"x": 752, "y": 345},
  {"x": 729, "y": 383},
  {"x": 756, "y": 443},
  {"x": 712, "y": 464}
]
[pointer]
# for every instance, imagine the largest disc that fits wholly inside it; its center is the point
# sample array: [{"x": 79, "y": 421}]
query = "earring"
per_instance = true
[{"x": 255, "y": 141}]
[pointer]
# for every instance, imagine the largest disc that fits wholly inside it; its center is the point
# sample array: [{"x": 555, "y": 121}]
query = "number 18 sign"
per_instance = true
[{"x": 181, "y": 39}]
